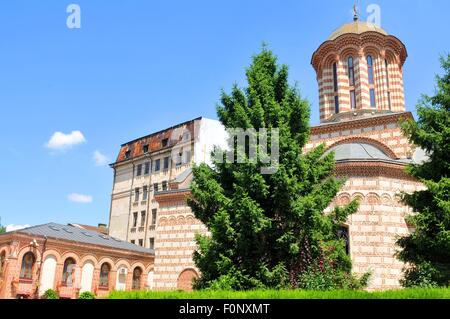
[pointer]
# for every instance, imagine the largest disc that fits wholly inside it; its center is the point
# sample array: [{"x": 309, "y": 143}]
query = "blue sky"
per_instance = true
[{"x": 136, "y": 67}]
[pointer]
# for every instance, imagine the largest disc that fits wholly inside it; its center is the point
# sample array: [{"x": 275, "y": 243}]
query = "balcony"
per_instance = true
[
  {"x": 141, "y": 229},
  {"x": 152, "y": 227},
  {"x": 133, "y": 230}
]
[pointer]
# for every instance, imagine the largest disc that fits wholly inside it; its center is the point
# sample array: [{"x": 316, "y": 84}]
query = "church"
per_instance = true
[
  {"x": 360, "y": 82},
  {"x": 151, "y": 233}
]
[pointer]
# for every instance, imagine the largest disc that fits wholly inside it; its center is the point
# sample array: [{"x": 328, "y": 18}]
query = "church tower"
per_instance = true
[{"x": 360, "y": 72}]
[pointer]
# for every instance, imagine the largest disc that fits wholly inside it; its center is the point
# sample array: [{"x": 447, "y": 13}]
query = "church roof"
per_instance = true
[
  {"x": 356, "y": 27},
  {"x": 76, "y": 234},
  {"x": 358, "y": 151}
]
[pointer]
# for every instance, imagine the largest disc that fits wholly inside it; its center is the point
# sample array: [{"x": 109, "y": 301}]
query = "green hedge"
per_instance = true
[{"x": 443, "y": 293}]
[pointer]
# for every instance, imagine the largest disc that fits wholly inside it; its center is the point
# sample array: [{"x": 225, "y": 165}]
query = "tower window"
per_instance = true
[
  {"x": 351, "y": 71},
  {"x": 335, "y": 79},
  {"x": 353, "y": 99},
  {"x": 387, "y": 72},
  {"x": 370, "y": 69},
  {"x": 372, "y": 98},
  {"x": 336, "y": 104}
]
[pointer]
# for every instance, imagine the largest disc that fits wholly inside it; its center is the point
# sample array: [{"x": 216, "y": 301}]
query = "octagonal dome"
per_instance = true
[{"x": 357, "y": 27}]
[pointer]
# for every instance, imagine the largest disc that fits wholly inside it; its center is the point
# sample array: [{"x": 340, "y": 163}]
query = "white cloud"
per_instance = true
[
  {"x": 15, "y": 227},
  {"x": 60, "y": 140},
  {"x": 80, "y": 198},
  {"x": 100, "y": 159}
]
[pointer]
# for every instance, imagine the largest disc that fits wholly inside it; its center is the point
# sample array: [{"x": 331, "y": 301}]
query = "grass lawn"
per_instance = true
[{"x": 286, "y": 294}]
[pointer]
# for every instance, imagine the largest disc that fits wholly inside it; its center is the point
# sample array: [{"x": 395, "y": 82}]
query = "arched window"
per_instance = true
[
  {"x": 68, "y": 272},
  {"x": 2, "y": 263},
  {"x": 335, "y": 83},
  {"x": 137, "y": 274},
  {"x": 104, "y": 275},
  {"x": 26, "y": 271},
  {"x": 371, "y": 80},
  {"x": 343, "y": 234},
  {"x": 351, "y": 71},
  {"x": 370, "y": 68},
  {"x": 387, "y": 83}
]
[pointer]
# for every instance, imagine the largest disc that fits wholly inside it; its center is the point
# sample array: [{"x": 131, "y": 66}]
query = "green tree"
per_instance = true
[
  {"x": 2, "y": 228},
  {"x": 267, "y": 231},
  {"x": 427, "y": 250}
]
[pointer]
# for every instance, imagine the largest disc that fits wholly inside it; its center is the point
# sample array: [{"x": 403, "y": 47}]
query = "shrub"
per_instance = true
[
  {"x": 423, "y": 275},
  {"x": 86, "y": 295},
  {"x": 50, "y": 294}
]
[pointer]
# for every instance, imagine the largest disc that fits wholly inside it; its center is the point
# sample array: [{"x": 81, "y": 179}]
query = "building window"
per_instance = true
[
  {"x": 145, "y": 193},
  {"x": 139, "y": 170},
  {"x": 336, "y": 104},
  {"x": 166, "y": 162},
  {"x": 370, "y": 69},
  {"x": 2, "y": 263},
  {"x": 386, "y": 63},
  {"x": 351, "y": 72},
  {"x": 154, "y": 215},
  {"x": 104, "y": 275},
  {"x": 137, "y": 273},
  {"x": 145, "y": 148},
  {"x": 187, "y": 157},
  {"x": 164, "y": 186},
  {"x": 157, "y": 165},
  {"x": 143, "y": 213},
  {"x": 68, "y": 272},
  {"x": 343, "y": 234},
  {"x": 135, "y": 219},
  {"x": 335, "y": 77},
  {"x": 353, "y": 99},
  {"x": 155, "y": 187},
  {"x": 186, "y": 136},
  {"x": 26, "y": 271},
  {"x": 179, "y": 159},
  {"x": 141, "y": 242},
  {"x": 136, "y": 194},
  {"x": 152, "y": 243},
  {"x": 372, "y": 98},
  {"x": 165, "y": 142},
  {"x": 147, "y": 168},
  {"x": 389, "y": 100},
  {"x": 127, "y": 154},
  {"x": 133, "y": 242}
]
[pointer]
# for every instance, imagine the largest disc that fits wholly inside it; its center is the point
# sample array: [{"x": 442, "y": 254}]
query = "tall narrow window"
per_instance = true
[
  {"x": 143, "y": 218},
  {"x": 137, "y": 273},
  {"x": 2, "y": 263},
  {"x": 164, "y": 185},
  {"x": 26, "y": 271},
  {"x": 147, "y": 168},
  {"x": 351, "y": 72},
  {"x": 353, "y": 99},
  {"x": 387, "y": 83},
  {"x": 343, "y": 234},
  {"x": 154, "y": 214},
  {"x": 370, "y": 69},
  {"x": 136, "y": 194},
  {"x": 152, "y": 243},
  {"x": 141, "y": 242},
  {"x": 155, "y": 187},
  {"x": 372, "y": 98},
  {"x": 187, "y": 157},
  {"x": 135, "y": 219},
  {"x": 335, "y": 77},
  {"x": 139, "y": 170},
  {"x": 386, "y": 63},
  {"x": 145, "y": 193},
  {"x": 166, "y": 162},
  {"x": 68, "y": 272},
  {"x": 336, "y": 104},
  {"x": 104, "y": 275},
  {"x": 157, "y": 165}
]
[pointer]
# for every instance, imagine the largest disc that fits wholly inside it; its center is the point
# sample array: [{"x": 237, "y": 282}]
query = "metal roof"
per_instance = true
[
  {"x": 71, "y": 233},
  {"x": 357, "y": 151}
]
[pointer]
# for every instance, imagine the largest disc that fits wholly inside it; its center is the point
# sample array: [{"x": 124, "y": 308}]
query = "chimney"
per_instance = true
[{"x": 103, "y": 228}]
